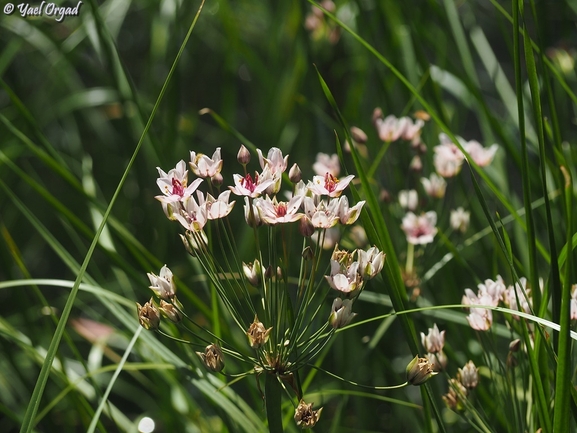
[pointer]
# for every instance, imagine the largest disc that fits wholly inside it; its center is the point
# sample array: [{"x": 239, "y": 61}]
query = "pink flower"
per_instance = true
[
  {"x": 252, "y": 187},
  {"x": 434, "y": 341},
  {"x": 321, "y": 215},
  {"x": 272, "y": 212},
  {"x": 408, "y": 199},
  {"x": 435, "y": 186},
  {"x": 329, "y": 185},
  {"x": 459, "y": 219},
  {"x": 390, "y": 128},
  {"x": 341, "y": 313},
  {"x": 276, "y": 165},
  {"x": 216, "y": 207},
  {"x": 520, "y": 293},
  {"x": 420, "y": 230},
  {"x": 344, "y": 278},
  {"x": 203, "y": 166},
  {"x": 327, "y": 164},
  {"x": 346, "y": 214},
  {"x": 174, "y": 184},
  {"x": 481, "y": 155},
  {"x": 448, "y": 158},
  {"x": 479, "y": 319},
  {"x": 192, "y": 216},
  {"x": 163, "y": 284},
  {"x": 371, "y": 262}
]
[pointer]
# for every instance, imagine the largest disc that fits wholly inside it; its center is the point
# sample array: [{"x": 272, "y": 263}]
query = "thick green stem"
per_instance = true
[{"x": 272, "y": 395}]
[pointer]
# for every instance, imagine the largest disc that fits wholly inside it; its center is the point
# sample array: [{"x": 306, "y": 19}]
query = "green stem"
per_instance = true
[{"x": 272, "y": 395}]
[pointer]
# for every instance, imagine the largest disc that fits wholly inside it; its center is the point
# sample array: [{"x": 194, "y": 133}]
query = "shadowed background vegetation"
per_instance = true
[{"x": 75, "y": 99}]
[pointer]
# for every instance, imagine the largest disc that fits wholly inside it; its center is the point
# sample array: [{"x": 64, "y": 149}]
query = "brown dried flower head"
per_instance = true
[
  {"x": 257, "y": 334},
  {"x": 170, "y": 311},
  {"x": 419, "y": 371},
  {"x": 148, "y": 315},
  {"x": 305, "y": 416},
  {"x": 212, "y": 358}
]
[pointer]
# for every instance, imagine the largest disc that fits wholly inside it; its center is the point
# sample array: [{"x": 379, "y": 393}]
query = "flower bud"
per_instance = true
[
  {"x": 295, "y": 174},
  {"x": 148, "y": 315},
  {"x": 468, "y": 375},
  {"x": 212, "y": 358},
  {"x": 419, "y": 371},
  {"x": 358, "y": 135},
  {"x": 217, "y": 179},
  {"x": 257, "y": 334},
  {"x": 186, "y": 244},
  {"x": 515, "y": 345},
  {"x": 306, "y": 227},
  {"x": 305, "y": 416},
  {"x": 377, "y": 115},
  {"x": 253, "y": 272},
  {"x": 243, "y": 156},
  {"x": 308, "y": 253},
  {"x": 170, "y": 311},
  {"x": 416, "y": 163}
]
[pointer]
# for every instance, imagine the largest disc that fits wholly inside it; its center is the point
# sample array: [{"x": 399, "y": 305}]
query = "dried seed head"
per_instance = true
[
  {"x": 243, "y": 156},
  {"x": 468, "y": 375},
  {"x": 212, "y": 358},
  {"x": 305, "y": 416},
  {"x": 419, "y": 371},
  {"x": 170, "y": 311},
  {"x": 148, "y": 315},
  {"x": 257, "y": 334}
]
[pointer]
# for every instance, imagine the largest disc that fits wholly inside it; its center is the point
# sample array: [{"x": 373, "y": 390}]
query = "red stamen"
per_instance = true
[{"x": 177, "y": 188}]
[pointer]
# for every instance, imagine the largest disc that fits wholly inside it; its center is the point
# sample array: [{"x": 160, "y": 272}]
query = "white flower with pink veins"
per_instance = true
[
  {"x": 203, "y": 166},
  {"x": 329, "y": 185},
  {"x": 274, "y": 212},
  {"x": 193, "y": 216},
  {"x": 216, "y": 207},
  {"x": 250, "y": 187},
  {"x": 321, "y": 215},
  {"x": 174, "y": 184},
  {"x": 420, "y": 230},
  {"x": 481, "y": 155},
  {"x": 343, "y": 279}
]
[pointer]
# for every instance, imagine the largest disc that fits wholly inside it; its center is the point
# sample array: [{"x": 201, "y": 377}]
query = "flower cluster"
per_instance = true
[
  {"x": 449, "y": 158},
  {"x": 310, "y": 209},
  {"x": 515, "y": 297}
]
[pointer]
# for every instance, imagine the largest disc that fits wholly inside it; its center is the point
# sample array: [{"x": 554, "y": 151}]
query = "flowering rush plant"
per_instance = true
[{"x": 278, "y": 299}]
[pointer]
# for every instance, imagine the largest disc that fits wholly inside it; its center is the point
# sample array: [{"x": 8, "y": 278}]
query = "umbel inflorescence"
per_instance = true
[{"x": 278, "y": 298}]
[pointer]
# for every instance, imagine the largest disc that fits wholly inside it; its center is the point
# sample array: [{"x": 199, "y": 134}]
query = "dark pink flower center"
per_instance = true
[
  {"x": 281, "y": 209},
  {"x": 248, "y": 183},
  {"x": 330, "y": 182},
  {"x": 177, "y": 188}
]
